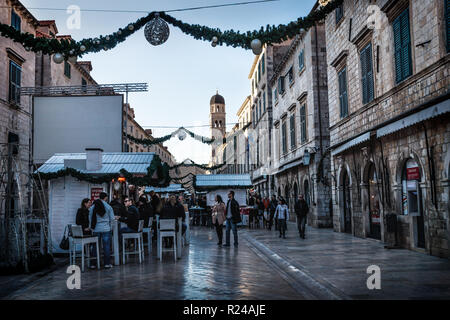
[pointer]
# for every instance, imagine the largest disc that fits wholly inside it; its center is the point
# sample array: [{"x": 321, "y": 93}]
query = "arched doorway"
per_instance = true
[
  {"x": 346, "y": 202},
  {"x": 286, "y": 195},
  {"x": 307, "y": 195},
  {"x": 412, "y": 200},
  {"x": 373, "y": 185}
]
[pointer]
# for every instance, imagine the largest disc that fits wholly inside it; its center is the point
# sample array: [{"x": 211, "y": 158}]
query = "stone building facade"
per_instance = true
[
  {"x": 260, "y": 132},
  {"x": 388, "y": 91},
  {"x": 300, "y": 135},
  {"x": 17, "y": 69}
]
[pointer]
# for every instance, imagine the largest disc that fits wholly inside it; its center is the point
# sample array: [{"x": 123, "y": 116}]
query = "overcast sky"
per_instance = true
[{"x": 183, "y": 73}]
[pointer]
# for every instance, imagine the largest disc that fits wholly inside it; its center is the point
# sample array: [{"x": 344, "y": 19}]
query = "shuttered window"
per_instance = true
[
  {"x": 402, "y": 45},
  {"x": 291, "y": 75},
  {"x": 264, "y": 101},
  {"x": 303, "y": 123},
  {"x": 366, "y": 73},
  {"x": 292, "y": 131},
  {"x": 67, "y": 69},
  {"x": 343, "y": 97},
  {"x": 275, "y": 95},
  {"x": 339, "y": 13},
  {"x": 284, "y": 137},
  {"x": 263, "y": 59},
  {"x": 15, "y": 74},
  {"x": 281, "y": 85},
  {"x": 15, "y": 20},
  {"x": 301, "y": 60},
  {"x": 447, "y": 22}
]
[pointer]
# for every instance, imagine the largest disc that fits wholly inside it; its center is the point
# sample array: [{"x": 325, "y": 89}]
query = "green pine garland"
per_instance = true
[
  {"x": 149, "y": 142},
  {"x": 162, "y": 172},
  {"x": 269, "y": 35}
]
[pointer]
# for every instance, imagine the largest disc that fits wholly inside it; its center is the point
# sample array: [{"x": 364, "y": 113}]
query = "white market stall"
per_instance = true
[
  {"x": 221, "y": 184},
  {"x": 67, "y": 192}
]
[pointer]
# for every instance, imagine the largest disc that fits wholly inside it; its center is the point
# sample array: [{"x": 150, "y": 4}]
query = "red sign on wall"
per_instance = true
[
  {"x": 412, "y": 173},
  {"x": 95, "y": 193}
]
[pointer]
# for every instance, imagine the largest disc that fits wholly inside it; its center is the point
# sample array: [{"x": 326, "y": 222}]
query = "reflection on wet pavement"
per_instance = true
[{"x": 205, "y": 271}]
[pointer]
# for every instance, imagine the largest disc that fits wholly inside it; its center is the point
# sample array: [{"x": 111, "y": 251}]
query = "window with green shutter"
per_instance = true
[
  {"x": 303, "y": 123},
  {"x": 447, "y": 22},
  {"x": 281, "y": 85},
  {"x": 292, "y": 131},
  {"x": 15, "y": 20},
  {"x": 15, "y": 74},
  {"x": 264, "y": 101},
  {"x": 402, "y": 46},
  {"x": 343, "y": 97},
  {"x": 284, "y": 137},
  {"x": 301, "y": 60},
  {"x": 67, "y": 69},
  {"x": 366, "y": 73},
  {"x": 339, "y": 13},
  {"x": 275, "y": 95}
]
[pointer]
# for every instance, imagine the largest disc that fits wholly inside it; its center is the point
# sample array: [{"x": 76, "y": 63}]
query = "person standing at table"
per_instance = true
[
  {"x": 218, "y": 217},
  {"x": 282, "y": 215},
  {"x": 145, "y": 210},
  {"x": 101, "y": 215},
  {"x": 233, "y": 218},
  {"x": 82, "y": 218}
]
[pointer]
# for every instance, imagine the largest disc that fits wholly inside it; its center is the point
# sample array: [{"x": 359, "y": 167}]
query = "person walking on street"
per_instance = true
[
  {"x": 233, "y": 218},
  {"x": 272, "y": 208},
  {"x": 282, "y": 215},
  {"x": 218, "y": 217},
  {"x": 301, "y": 210},
  {"x": 101, "y": 216}
]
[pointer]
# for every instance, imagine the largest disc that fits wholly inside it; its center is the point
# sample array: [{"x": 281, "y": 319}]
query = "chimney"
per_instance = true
[{"x": 94, "y": 159}]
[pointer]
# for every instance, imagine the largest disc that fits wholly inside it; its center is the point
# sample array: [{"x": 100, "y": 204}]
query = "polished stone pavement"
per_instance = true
[{"x": 326, "y": 265}]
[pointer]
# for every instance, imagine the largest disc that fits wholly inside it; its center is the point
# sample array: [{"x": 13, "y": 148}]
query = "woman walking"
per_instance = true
[
  {"x": 218, "y": 217},
  {"x": 282, "y": 215}
]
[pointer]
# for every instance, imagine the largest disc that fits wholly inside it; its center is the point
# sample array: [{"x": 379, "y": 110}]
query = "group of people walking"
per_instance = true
[
  {"x": 96, "y": 217},
  {"x": 269, "y": 210}
]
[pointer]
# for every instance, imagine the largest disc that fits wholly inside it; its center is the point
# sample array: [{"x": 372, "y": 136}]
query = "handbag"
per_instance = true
[{"x": 64, "y": 244}]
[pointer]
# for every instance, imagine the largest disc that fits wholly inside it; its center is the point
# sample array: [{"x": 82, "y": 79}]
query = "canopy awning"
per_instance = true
[
  {"x": 220, "y": 181},
  {"x": 360, "y": 139},
  {"x": 428, "y": 113}
]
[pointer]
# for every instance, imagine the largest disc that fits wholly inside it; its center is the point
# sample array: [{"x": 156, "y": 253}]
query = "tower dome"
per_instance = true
[{"x": 217, "y": 98}]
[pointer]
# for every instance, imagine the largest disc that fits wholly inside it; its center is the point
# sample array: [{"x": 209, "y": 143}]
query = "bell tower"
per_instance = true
[{"x": 217, "y": 121}]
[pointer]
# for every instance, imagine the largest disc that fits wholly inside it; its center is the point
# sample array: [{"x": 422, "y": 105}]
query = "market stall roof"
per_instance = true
[
  {"x": 112, "y": 162},
  {"x": 172, "y": 188},
  {"x": 220, "y": 181}
]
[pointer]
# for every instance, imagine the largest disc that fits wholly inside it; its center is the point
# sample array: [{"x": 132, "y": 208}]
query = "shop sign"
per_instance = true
[
  {"x": 412, "y": 173},
  {"x": 95, "y": 193}
]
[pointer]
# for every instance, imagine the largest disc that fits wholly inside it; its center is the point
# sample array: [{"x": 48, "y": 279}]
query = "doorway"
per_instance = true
[
  {"x": 307, "y": 196},
  {"x": 346, "y": 198},
  {"x": 374, "y": 203},
  {"x": 412, "y": 203}
]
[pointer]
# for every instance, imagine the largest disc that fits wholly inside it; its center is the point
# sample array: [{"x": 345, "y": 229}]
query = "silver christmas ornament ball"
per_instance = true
[
  {"x": 256, "y": 46},
  {"x": 130, "y": 27},
  {"x": 156, "y": 31},
  {"x": 214, "y": 39},
  {"x": 107, "y": 38},
  {"x": 82, "y": 48},
  {"x": 213, "y": 44},
  {"x": 182, "y": 135},
  {"x": 58, "y": 58},
  {"x": 119, "y": 32}
]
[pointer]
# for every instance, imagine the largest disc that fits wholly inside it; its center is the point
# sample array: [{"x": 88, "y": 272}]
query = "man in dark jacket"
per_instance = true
[
  {"x": 272, "y": 208},
  {"x": 145, "y": 210},
  {"x": 301, "y": 210},
  {"x": 118, "y": 207},
  {"x": 132, "y": 218},
  {"x": 174, "y": 210},
  {"x": 233, "y": 216}
]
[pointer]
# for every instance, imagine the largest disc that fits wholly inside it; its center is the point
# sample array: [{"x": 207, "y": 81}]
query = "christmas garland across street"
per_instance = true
[
  {"x": 181, "y": 132},
  {"x": 157, "y": 32}
]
